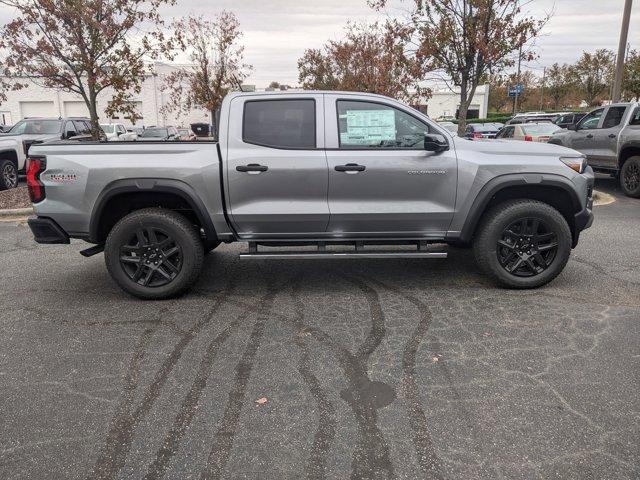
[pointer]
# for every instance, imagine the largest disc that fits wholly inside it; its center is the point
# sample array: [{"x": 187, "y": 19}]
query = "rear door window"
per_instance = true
[
  {"x": 282, "y": 123},
  {"x": 613, "y": 117},
  {"x": 635, "y": 118}
]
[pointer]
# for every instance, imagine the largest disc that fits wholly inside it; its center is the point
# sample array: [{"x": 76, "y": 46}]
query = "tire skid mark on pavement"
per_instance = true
[
  {"x": 371, "y": 453},
  {"x": 425, "y": 452},
  {"x": 188, "y": 408},
  {"x": 474, "y": 428},
  {"x": 120, "y": 436},
  {"x": 327, "y": 423},
  {"x": 223, "y": 440}
]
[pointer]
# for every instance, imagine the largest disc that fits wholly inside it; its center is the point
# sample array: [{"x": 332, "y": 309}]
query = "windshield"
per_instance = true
[
  {"x": 36, "y": 127},
  {"x": 485, "y": 128},
  {"x": 540, "y": 129},
  {"x": 155, "y": 133},
  {"x": 108, "y": 128}
]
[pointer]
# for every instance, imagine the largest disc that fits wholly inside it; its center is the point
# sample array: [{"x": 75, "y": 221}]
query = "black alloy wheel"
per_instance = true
[
  {"x": 9, "y": 175},
  {"x": 527, "y": 247},
  {"x": 151, "y": 257},
  {"x": 631, "y": 177}
]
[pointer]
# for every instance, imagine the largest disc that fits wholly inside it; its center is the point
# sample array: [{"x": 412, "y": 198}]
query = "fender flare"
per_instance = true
[
  {"x": 633, "y": 143},
  {"x": 161, "y": 185},
  {"x": 495, "y": 185},
  {"x": 13, "y": 151}
]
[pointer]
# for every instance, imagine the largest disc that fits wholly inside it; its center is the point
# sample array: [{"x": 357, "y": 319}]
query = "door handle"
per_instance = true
[
  {"x": 590, "y": 135},
  {"x": 350, "y": 167},
  {"x": 252, "y": 168},
  {"x": 612, "y": 135}
]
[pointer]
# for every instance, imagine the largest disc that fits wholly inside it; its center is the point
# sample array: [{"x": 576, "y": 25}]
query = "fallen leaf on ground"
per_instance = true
[{"x": 261, "y": 401}]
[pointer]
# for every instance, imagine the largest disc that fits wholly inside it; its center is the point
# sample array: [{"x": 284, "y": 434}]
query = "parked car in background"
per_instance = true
[
  {"x": 452, "y": 127},
  {"x": 117, "y": 132},
  {"x": 529, "y": 132},
  {"x": 445, "y": 118},
  {"x": 482, "y": 130},
  {"x": 159, "y": 134},
  {"x": 186, "y": 135},
  {"x": 38, "y": 130},
  {"x": 566, "y": 119},
  {"x": 610, "y": 138},
  {"x": 532, "y": 117},
  {"x": 318, "y": 169}
]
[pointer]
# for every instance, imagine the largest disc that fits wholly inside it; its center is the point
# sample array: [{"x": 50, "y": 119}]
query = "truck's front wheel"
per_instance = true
[
  {"x": 630, "y": 177},
  {"x": 154, "y": 253},
  {"x": 523, "y": 243}
]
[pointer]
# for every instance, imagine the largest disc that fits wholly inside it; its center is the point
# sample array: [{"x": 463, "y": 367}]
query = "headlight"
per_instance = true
[{"x": 579, "y": 164}]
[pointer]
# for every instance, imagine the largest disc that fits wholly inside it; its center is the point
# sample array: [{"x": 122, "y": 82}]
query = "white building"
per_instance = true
[
  {"x": 445, "y": 102},
  {"x": 36, "y": 101}
]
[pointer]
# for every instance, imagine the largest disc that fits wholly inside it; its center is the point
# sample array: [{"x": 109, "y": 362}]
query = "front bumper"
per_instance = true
[
  {"x": 46, "y": 230},
  {"x": 584, "y": 218}
]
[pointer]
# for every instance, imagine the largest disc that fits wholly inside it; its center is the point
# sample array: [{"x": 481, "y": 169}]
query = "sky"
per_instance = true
[{"x": 276, "y": 32}]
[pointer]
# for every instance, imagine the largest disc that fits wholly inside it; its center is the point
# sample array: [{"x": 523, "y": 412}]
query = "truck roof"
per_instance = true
[{"x": 305, "y": 92}]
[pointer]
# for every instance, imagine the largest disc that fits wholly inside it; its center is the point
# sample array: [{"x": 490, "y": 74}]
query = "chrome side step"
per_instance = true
[{"x": 329, "y": 254}]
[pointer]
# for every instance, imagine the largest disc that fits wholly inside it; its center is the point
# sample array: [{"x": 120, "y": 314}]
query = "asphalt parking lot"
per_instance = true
[{"x": 369, "y": 368}]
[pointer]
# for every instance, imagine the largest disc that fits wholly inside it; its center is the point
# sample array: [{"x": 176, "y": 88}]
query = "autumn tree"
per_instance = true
[
  {"x": 217, "y": 59},
  {"x": 466, "y": 39},
  {"x": 557, "y": 83},
  {"x": 631, "y": 78},
  {"x": 86, "y": 47},
  {"x": 592, "y": 75},
  {"x": 371, "y": 58}
]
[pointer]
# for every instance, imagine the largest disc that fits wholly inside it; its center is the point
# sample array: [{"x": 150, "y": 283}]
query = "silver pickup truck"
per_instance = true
[
  {"x": 319, "y": 175},
  {"x": 610, "y": 138}
]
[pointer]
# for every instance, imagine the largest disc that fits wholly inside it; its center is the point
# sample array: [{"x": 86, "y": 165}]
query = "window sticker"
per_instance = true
[{"x": 369, "y": 127}]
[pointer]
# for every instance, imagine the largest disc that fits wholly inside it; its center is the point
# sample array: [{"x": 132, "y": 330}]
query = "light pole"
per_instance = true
[{"x": 622, "y": 46}]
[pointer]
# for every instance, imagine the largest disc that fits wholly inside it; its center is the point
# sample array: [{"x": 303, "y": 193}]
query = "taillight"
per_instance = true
[
  {"x": 528, "y": 138},
  {"x": 35, "y": 166},
  {"x": 477, "y": 135}
]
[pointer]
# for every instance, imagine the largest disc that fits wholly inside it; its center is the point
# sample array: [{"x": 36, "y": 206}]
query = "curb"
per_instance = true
[
  {"x": 15, "y": 213},
  {"x": 601, "y": 198}
]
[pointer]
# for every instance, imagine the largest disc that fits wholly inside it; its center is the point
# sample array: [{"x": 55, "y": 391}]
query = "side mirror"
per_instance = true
[
  {"x": 434, "y": 142},
  {"x": 573, "y": 126},
  {"x": 69, "y": 134}
]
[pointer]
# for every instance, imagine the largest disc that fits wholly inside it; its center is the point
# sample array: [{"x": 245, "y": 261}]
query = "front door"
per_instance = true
[
  {"x": 605, "y": 151},
  {"x": 277, "y": 168},
  {"x": 382, "y": 182},
  {"x": 583, "y": 138}
]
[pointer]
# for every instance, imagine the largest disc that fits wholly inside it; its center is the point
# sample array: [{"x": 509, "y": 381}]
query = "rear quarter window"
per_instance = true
[{"x": 282, "y": 123}]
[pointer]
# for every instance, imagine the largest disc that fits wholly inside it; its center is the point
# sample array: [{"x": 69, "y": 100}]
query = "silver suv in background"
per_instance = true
[
  {"x": 117, "y": 132},
  {"x": 610, "y": 138}
]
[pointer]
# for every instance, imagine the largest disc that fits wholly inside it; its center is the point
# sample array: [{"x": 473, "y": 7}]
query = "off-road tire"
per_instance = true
[
  {"x": 495, "y": 223},
  {"x": 8, "y": 174},
  {"x": 184, "y": 236},
  {"x": 630, "y": 177}
]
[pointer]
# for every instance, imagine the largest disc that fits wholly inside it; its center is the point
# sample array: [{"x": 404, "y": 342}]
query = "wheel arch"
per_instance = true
[
  {"x": 9, "y": 154},
  {"x": 628, "y": 150},
  {"x": 121, "y": 197},
  {"x": 554, "y": 190}
]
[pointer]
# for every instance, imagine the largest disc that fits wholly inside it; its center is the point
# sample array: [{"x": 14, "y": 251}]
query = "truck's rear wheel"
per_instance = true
[
  {"x": 630, "y": 177},
  {"x": 154, "y": 253},
  {"x": 523, "y": 243}
]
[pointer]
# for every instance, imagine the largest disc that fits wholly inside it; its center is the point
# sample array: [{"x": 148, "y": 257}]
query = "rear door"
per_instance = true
[
  {"x": 382, "y": 182},
  {"x": 605, "y": 151},
  {"x": 277, "y": 168}
]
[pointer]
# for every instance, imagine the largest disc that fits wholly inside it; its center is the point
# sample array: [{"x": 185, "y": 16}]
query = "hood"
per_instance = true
[{"x": 506, "y": 147}]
